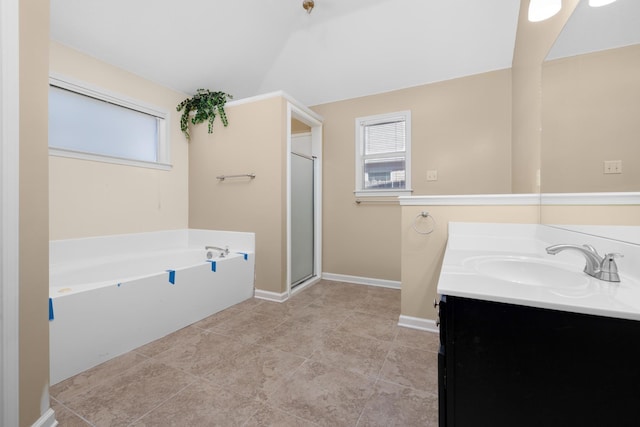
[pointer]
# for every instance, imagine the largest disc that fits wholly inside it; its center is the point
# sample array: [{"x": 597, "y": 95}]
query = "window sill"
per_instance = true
[
  {"x": 58, "y": 152},
  {"x": 382, "y": 193}
]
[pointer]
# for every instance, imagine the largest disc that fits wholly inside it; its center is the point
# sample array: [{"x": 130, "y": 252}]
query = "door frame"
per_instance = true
[
  {"x": 9, "y": 212},
  {"x": 314, "y": 121}
]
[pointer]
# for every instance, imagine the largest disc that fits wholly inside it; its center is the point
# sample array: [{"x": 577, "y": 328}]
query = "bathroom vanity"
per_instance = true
[{"x": 530, "y": 340}]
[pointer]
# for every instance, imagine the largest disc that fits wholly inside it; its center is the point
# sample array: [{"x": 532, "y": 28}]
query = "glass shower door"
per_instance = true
[{"x": 302, "y": 219}]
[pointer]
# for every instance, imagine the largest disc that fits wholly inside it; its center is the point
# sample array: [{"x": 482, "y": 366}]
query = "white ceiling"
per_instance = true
[
  {"x": 592, "y": 29},
  {"x": 343, "y": 49}
]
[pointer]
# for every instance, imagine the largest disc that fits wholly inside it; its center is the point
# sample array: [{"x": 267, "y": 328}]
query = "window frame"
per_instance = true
[
  {"x": 360, "y": 123},
  {"x": 163, "y": 161}
]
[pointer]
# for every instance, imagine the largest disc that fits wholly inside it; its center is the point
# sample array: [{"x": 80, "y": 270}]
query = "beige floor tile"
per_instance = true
[
  {"x": 255, "y": 372},
  {"x": 249, "y": 326},
  {"x": 393, "y": 405},
  {"x": 283, "y": 311},
  {"x": 295, "y": 337},
  {"x": 414, "y": 338},
  {"x": 350, "y": 296},
  {"x": 81, "y": 383},
  {"x": 198, "y": 357},
  {"x": 379, "y": 291},
  {"x": 267, "y": 417},
  {"x": 381, "y": 306},
  {"x": 358, "y": 354},
  {"x": 370, "y": 326},
  {"x": 412, "y": 367},
  {"x": 302, "y": 298},
  {"x": 218, "y": 318},
  {"x": 66, "y": 418},
  {"x": 248, "y": 304},
  {"x": 179, "y": 338},
  {"x": 128, "y": 396},
  {"x": 201, "y": 405},
  {"x": 321, "y": 316},
  {"x": 324, "y": 395},
  {"x": 324, "y": 286}
]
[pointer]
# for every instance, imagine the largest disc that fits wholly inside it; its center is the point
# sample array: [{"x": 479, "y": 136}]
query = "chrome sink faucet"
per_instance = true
[{"x": 603, "y": 268}]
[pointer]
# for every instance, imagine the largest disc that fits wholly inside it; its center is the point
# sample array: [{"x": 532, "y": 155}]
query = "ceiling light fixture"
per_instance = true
[
  {"x": 598, "y": 3},
  {"x": 308, "y": 5},
  {"x": 539, "y": 10}
]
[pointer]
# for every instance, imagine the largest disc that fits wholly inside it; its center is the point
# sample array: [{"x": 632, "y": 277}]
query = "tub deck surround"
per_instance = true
[
  {"x": 472, "y": 245},
  {"x": 111, "y": 294}
]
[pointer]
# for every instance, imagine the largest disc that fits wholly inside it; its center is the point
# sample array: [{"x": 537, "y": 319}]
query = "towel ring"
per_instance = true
[{"x": 423, "y": 214}]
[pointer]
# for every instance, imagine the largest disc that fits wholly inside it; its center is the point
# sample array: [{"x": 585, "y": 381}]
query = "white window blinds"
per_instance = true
[
  {"x": 383, "y": 154},
  {"x": 383, "y": 138}
]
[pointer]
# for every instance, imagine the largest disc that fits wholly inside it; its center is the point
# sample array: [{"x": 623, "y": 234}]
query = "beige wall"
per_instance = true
[
  {"x": 533, "y": 41},
  {"x": 591, "y": 106},
  {"x": 461, "y": 128},
  {"x": 90, "y": 198},
  {"x": 34, "y": 233},
  {"x": 591, "y": 215},
  {"x": 422, "y": 255},
  {"x": 298, "y": 127},
  {"x": 254, "y": 142}
]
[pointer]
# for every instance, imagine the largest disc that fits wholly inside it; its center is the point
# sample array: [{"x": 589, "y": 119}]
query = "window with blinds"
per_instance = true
[{"x": 383, "y": 154}]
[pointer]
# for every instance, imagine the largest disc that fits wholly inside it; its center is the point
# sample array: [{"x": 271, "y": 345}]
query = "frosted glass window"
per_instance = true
[
  {"x": 79, "y": 123},
  {"x": 383, "y": 154}
]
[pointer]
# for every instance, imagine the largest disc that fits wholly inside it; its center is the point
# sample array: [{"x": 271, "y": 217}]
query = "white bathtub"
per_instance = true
[{"x": 109, "y": 295}]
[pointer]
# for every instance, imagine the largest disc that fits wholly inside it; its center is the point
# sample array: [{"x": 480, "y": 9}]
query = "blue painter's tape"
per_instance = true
[
  {"x": 172, "y": 276},
  {"x": 246, "y": 255},
  {"x": 213, "y": 266},
  {"x": 50, "y": 309}
]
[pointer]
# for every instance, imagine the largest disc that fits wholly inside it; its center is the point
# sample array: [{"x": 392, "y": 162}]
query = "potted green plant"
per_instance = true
[{"x": 206, "y": 104}]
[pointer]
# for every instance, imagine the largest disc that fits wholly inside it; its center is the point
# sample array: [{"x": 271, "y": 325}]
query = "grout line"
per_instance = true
[
  {"x": 419, "y": 390},
  {"x": 73, "y": 412},
  {"x": 81, "y": 391},
  {"x": 367, "y": 401},
  {"x": 386, "y": 357},
  {"x": 167, "y": 399}
]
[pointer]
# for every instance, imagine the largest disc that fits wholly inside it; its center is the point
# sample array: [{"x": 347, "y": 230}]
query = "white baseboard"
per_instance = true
[
  {"x": 418, "y": 323},
  {"x": 393, "y": 284},
  {"x": 271, "y": 296},
  {"x": 48, "y": 419}
]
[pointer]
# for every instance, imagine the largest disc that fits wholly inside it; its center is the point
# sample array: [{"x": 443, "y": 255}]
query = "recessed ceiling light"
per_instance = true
[
  {"x": 539, "y": 10},
  {"x": 598, "y": 3}
]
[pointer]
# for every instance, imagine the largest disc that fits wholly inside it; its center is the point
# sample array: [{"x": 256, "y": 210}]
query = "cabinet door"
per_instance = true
[
  {"x": 509, "y": 365},
  {"x": 442, "y": 367}
]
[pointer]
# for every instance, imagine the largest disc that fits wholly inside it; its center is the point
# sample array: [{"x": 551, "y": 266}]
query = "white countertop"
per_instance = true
[{"x": 473, "y": 246}]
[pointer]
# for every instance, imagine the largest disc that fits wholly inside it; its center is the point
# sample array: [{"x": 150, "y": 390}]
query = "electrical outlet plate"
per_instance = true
[
  {"x": 432, "y": 175},
  {"x": 612, "y": 166}
]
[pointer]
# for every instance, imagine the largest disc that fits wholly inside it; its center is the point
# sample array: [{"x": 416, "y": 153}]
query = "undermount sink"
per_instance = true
[{"x": 529, "y": 271}]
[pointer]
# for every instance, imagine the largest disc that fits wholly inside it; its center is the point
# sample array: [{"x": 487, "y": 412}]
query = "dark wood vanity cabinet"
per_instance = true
[{"x": 515, "y": 366}]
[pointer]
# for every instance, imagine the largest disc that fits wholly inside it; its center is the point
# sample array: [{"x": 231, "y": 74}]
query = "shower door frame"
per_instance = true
[{"x": 314, "y": 121}]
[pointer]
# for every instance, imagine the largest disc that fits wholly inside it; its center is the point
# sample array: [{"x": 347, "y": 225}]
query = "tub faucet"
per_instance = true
[
  {"x": 223, "y": 252},
  {"x": 603, "y": 268}
]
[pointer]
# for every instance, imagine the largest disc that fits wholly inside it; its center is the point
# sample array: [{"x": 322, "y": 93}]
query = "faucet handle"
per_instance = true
[{"x": 609, "y": 268}]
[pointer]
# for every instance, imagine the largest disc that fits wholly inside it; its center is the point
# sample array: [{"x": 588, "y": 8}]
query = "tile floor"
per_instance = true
[{"x": 332, "y": 355}]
